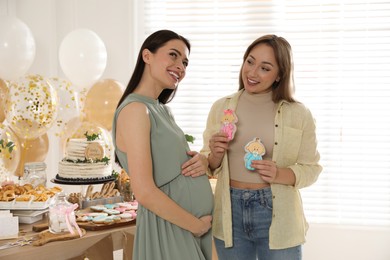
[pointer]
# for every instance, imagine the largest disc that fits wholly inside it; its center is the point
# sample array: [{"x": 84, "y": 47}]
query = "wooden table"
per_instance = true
[{"x": 94, "y": 245}]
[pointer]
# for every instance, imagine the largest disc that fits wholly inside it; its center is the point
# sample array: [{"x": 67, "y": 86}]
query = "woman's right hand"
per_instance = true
[
  {"x": 218, "y": 144},
  {"x": 204, "y": 227}
]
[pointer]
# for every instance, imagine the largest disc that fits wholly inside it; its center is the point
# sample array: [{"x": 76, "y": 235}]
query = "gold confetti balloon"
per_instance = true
[
  {"x": 69, "y": 104},
  {"x": 31, "y": 106},
  {"x": 9, "y": 151}
]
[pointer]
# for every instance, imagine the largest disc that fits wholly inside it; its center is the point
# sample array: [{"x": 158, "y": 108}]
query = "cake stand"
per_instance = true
[{"x": 83, "y": 185}]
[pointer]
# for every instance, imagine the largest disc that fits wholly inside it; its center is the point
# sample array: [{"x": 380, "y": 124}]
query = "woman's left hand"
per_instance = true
[
  {"x": 267, "y": 170},
  {"x": 196, "y": 166}
]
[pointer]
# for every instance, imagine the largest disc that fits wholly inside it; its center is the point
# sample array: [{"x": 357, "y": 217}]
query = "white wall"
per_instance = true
[{"x": 115, "y": 23}]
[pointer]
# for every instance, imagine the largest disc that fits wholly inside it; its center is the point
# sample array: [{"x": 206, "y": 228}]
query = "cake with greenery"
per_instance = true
[{"x": 85, "y": 159}]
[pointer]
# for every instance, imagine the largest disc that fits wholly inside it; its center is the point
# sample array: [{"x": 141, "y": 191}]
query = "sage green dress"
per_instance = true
[{"x": 155, "y": 237}]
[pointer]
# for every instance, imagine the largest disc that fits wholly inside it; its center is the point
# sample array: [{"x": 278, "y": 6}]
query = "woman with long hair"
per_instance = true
[{"x": 168, "y": 180}]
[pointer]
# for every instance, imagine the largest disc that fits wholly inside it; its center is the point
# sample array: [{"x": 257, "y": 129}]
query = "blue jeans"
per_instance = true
[{"x": 252, "y": 216}]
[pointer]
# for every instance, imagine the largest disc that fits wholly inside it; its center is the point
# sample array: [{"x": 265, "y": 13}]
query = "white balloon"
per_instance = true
[
  {"x": 17, "y": 48},
  {"x": 83, "y": 57}
]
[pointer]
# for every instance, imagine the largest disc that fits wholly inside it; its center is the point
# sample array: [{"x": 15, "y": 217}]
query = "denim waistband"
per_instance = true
[{"x": 254, "y": 194}]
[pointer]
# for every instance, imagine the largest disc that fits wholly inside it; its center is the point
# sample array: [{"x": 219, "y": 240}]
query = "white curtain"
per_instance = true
[{"x": 342, "y": 73}]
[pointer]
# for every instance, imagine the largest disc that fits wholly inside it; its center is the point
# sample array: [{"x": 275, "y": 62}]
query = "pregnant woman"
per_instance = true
[{"x": 168, "y": 180}]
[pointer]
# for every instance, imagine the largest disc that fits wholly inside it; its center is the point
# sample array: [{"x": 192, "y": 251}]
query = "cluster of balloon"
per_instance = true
[
  {"x": 83, "y": 59},
  {"x": 17, "y": 53},
  {"x": 30, "y": 105},
  {"x": 97, "y": 114}
]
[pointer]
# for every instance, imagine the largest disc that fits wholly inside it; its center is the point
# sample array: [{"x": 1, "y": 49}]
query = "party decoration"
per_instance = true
[
  {"x": 69, "y": 104},
  {"x": 3, "y": 95},
  {"x": 17, "y": 48},
  {"x": 101, "y": 102},
  {"x": 83, "y": 57},
  {"x": 31, "y": 106},
  {"x": 228, "y": 123},
  {"x": 33, "y": 150},
  {"x": 254, "y": 150},
  {"x": 9, "y": 152}
]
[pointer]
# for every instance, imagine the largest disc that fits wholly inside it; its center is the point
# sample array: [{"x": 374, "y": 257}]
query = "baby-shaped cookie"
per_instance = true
[
  {"x": 254, "y": 151},
  {"x": 228, "y": 123}
]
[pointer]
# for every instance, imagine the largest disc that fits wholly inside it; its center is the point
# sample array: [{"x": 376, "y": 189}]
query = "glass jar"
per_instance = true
[
  {"x": 35, "y": 173},
  {"x": 58, "y": 214}
]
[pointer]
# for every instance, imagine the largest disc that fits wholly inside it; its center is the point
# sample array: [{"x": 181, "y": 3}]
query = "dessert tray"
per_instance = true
[
  {"x": 107, "y": 216},
  {"x": 26, "y": 197},
  {"x": 101, "y": 217},
  {"x": 95, "y": 226}
]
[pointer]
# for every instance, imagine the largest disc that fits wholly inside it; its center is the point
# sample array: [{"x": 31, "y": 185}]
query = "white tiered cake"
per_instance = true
[{"x": 84, "y": 160}]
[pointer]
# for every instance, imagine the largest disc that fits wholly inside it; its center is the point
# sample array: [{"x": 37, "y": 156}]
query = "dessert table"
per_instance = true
[{"x": 99, "y": 244}]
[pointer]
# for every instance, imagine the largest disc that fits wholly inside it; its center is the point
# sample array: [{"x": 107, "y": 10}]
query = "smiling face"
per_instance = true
[
  {"x": 260, "y": 70},
  {"x": 255, "y": 147},
  {"x": 168, "y": 64},
  {"x": 228, "y": 118}
]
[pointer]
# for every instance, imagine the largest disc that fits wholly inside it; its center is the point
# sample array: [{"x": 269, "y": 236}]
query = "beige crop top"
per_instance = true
[{"x": 256, "y": 116}]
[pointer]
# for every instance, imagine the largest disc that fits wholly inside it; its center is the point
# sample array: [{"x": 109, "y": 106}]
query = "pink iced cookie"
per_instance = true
[
  {"x": 129, "y": 205},
  {"x": 120, "y": 209},
  {"x": 132, "y": 212},
  {"x": 228, "y": 123}
]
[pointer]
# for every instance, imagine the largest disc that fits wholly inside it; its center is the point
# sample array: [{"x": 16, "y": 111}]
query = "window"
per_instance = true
[{"x": 342, "y": 61}]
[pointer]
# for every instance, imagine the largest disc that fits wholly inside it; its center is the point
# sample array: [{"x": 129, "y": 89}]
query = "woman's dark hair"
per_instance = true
[
  {"x": 284, "y": 89},
  {"x": 155, "y": 41}
]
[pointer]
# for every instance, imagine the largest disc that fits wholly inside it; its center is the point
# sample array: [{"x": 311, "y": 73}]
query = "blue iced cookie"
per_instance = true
[{"x": 254, "y": 151}]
